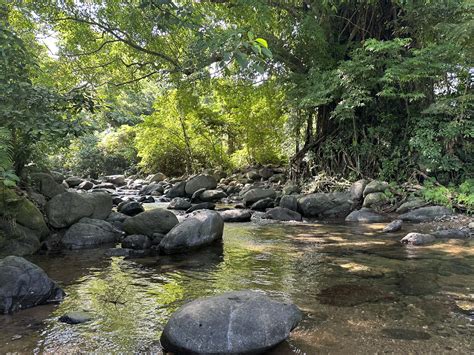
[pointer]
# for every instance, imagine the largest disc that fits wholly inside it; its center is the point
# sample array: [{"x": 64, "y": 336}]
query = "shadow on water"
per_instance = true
[{"x": 360, "y": 291}]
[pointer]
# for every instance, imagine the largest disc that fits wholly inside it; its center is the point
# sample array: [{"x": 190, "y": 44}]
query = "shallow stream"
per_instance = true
[{"x": 360, "y": 292}]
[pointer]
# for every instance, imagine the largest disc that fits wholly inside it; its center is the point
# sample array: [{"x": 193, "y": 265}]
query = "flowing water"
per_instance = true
[{"x": 360, "y": 292}]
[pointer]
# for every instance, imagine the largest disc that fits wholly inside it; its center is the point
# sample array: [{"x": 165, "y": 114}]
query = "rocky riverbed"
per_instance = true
[{"x": 336, "y": 249}]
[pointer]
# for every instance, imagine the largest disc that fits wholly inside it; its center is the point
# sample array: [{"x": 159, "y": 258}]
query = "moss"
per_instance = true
[{"x": 23, "y": 211}]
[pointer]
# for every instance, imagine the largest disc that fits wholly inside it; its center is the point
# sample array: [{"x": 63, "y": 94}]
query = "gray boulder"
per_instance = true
[
  {"x": 199, "y": 229},
  {"x": 256, "y": 194},
  {"x": 242, "y": 322},
  {"x": 85, "y": 185},
  {"x": 375, "y": 186},
  {"x": 266, "y": 173},
  {"x": 117, "y": 180},
  {"x": 290, "y": 202},
  {"x": 334, "y": 204},
  {"x": 46, "y": 185},
  {"x": 410, "y": 205},
  {"x": 75, "y": 317},
  {"x": 67, "y": 208},
  {"x": 393, "y": 226},
  {"x": 207, "y": 182},
  {"x": 150, "y": 222},
  {"x": 73, "y": 181},
  {"x": 451, "y": 233},
  {"x": 201, "y": 206},
  {"x": 263, "y": 204},
  {"x": 16, "y": 239},
  {"x": 25, "y": 285},
  {"x": 179, "y": 203},
  {"x": 357, "y": 189},
  {"x": 375, "y": 199},
  {"x": 130, "y": 208},
  {"x": 156, "y": 177},
  {"x": 282, "y": 214},
  {"x": 177, "y": 190},
  {"x": 417, "y": 239},
  {"x": 212, "y": 195},
  {"x": 424, "y": 214},
  {"x": 365, "y": 215},
  {"x": 101, "y": 203},
  {"x": 137, "y": 242},
  {"x": 152, "y": 189},
  {"x": 90, "y": 233},
  {"x": 236, "y": 215}
]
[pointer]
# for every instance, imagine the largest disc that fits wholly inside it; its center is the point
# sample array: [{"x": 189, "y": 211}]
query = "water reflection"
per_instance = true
[{"x": 361, "y": 291}]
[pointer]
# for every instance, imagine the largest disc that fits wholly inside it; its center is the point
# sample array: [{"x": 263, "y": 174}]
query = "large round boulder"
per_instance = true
[
  {"x": 334, "y": 204},
  {"x": 207, "y": 182},
  {"x": 130, "y": 208},
  {"x": 25, "y": 285},
  {"x": 257, "y": 194},
  {"x": 65, "y": 209},
  {"x": 90, "y": 233},
  {"x": 199, "y": 229},
  {"x": 151, "y": 222},
  {"x": 117, "y": 180},
  {"x": 101, "y": 203},
  {"x": 242, "y": 322}
]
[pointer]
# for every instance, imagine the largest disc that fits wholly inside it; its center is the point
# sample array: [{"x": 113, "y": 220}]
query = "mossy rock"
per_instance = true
[{"x": 23, "y": 211}]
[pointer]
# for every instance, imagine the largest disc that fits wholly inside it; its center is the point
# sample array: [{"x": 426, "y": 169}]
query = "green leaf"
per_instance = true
[
  {"x": 267, "y": 52},
  {"x": 262, "y": 42},
  {"x": 242, "y": 59}
]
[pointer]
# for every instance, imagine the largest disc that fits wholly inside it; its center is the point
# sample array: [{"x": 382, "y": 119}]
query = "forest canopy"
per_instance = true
[{"x": 379, "y": 89}]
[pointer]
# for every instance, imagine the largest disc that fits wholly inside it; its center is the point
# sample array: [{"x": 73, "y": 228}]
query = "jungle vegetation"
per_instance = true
[{"x": 374, "y": 89}]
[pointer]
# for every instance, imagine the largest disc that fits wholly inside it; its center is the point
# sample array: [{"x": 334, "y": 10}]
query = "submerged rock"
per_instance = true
[
  {"x": 151, "y": 222},
  {"x": 417, "y": 239},
  {"x": 393, "y": 226},
  {"x": 365, "y": 215},
  {"x": 241, "y": 322},
  {"x": 424, "y": 214},
  {"x": 136, "y": 241},
  {"x": 405, "y": 334},
  {"x": 25, "y": 285},
  {"x": 236, "y": 215},
  {"x": 199, "y": 229},
  {"x": 75, "y": 317},
  {"x": 347, "y": 295}
]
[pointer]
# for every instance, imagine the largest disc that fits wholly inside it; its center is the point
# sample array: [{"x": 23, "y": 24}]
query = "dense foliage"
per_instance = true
[{"x": 353, "y": 88}]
